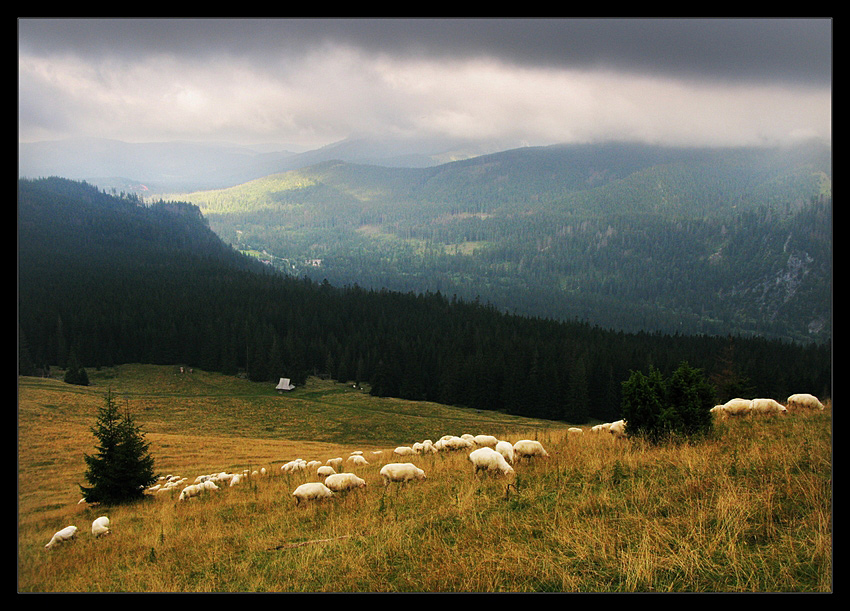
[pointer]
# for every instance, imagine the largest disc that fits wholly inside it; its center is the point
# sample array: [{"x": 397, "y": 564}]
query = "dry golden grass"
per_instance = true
[{"x": 747, "y": 511}]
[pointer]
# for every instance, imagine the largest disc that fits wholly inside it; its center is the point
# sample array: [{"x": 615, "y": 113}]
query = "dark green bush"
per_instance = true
[{"x": 677, "y": 408}]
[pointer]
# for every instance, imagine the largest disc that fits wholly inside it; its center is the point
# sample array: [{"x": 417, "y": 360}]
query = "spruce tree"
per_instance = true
[
  {"x": 75, "y": 374},
  {"x": 660, "y": 410},
  {"x": 122, "y": 467}
]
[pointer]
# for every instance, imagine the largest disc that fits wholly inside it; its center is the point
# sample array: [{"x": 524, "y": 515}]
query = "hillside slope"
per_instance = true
[
  {"x": 624, "y": 236},
  {"x": 109, "y": 281}
]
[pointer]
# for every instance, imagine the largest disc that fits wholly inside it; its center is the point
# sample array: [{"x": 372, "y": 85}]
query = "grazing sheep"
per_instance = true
[
  {"x": 66, "y": 534},
  {"x": 428, "y": 447},
  {"x": 190, "y": 491},
  {"x": 294, "y": 466},
  {"x": 468, "y": 437},
  {"x": 208, "y": 485},
  {"x": 507, "y": 450},
  {"x": 336, "y": 463},
  {"x": 340, "y": 482},
  {"x": 737, "y": 407},
  {"x": 235, "y": 480},
  {"x": 357, "y": 460},
  {"x": 485, "y": 441},
  {"x": 803, "y": 401},
  {"x": 488, "y": 459},
  {"x": 574, "y": 430},
  {"x": 401, "y": 472},
  {"x": 325, "y": 470},
  {"x": 768, "y": 406},
  {"x": 404, "y": 451},
  {"x": 223, "y": 478},
  {"x": 457, "y": 443},
  {"x": 312, "y": 491},
  {"x": 527, "y": 448},
  {"x": 100, "y": 527},
  {"x": 618, "y": 429},
  {"x": 262, "y": 471}
]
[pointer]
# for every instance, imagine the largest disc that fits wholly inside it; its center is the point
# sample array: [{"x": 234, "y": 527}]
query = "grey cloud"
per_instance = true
[{"x": 759, "y": 50}]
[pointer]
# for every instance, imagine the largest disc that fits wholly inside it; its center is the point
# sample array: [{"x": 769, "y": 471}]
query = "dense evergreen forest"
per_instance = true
[
  {"x": 106, "y": 279},
  {"x": 632, "y": 237}
]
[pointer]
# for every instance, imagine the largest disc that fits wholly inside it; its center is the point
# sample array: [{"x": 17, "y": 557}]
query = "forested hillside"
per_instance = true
[
  {"x": 624, "y": 236},
  {"x": 111, "y": 280}
]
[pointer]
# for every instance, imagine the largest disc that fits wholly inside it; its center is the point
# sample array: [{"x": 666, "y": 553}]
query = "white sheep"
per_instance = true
[
  {"x": 401, "y": 472},
  {"x": 223, "y": 478},
  {"x": 357, "y": 460},
  {"x": 404, "y": 451},
  {"x": 313, "y": 464},
  {"x": 737, "y": 407},
  {"x": 527, "y": 448},
  {"x": 66, "y": 534},
  {"x": 506, "y": 449},
  {"x": 312, "y": 491},
  {"x": 488, "y": 459},
  {"x": 574, "y": 430},
  {"x": 618, "y": 429},
  {"x": 803, "y": 401},
  {"x": 340, "y": 482},
  {"x": 100, "y": 527},
  {"x": 336, "y": 463},
  {"x": 768, "y": 406},
  {"x": 294, "y": 466},
  {"x": 457, "y": 443},
  {"x": 428, "y": 447},
  {"x": 325, "y": 470},
  {"x": 192, "y": 490},
  {"x": 208, "y": 485},
  {"x": 485, "y": 441},
  {"x": 235, "y": 480}
]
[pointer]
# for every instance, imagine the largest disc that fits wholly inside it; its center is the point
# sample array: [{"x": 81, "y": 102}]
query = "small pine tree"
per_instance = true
[
  {"x": 122, "y": 467},
  {"x": 657, "y": 409},
  {"x": 75, "y": 374}
]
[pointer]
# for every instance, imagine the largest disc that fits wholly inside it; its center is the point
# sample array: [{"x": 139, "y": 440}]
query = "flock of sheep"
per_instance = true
[
  {"x": 486, "y": 453},
  {"x": 741, "y": 407},
  {"x": 99, "y": 528}
]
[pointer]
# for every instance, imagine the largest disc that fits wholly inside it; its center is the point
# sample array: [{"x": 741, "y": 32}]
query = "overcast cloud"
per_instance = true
[{"x": 534, "y": 81}]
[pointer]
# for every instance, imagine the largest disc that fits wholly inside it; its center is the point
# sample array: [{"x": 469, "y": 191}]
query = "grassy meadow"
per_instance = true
[{"x": 749, "y": 510}]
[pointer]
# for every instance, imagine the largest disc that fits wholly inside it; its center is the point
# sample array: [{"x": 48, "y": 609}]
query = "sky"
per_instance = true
[{"x": 304, "y": 83}]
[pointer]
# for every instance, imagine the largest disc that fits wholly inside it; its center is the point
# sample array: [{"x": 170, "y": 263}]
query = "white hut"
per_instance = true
[{"x": 284, "y": 384}]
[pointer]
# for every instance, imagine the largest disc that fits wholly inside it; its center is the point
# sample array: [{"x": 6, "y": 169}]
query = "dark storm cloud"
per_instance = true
[
  {"x": 531, "y": 81},
  {"x": 761, "y": 50}
]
